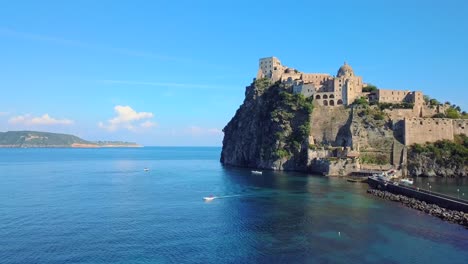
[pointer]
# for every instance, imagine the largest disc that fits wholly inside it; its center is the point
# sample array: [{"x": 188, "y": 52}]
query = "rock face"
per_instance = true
[
  {"x": 432, "y": 209},
  {"x": 270, "y": 130},
  {"x": 420, "y": 164},
  {"x": 442, "y": 158}
]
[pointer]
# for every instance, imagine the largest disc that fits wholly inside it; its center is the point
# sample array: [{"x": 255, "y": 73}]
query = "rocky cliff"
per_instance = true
[
  {"x": 270, "y": 130},
  {"x": 442, "y": 158},
  {"x": 274, "y": 129}
]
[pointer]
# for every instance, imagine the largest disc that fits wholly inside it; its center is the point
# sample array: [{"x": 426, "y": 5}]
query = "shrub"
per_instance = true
[
  {"x": 379, "y": 116},
  {"x": 452, "y": 113},
  {"x": 369, "y": 88},
  {"x": 445, "y": 152},
  {"x": 434, "y": 102},
  {"x": 282, "y": 153},
  {"x": 439, "y": 115},
  {"x": 361, "y": 101}
]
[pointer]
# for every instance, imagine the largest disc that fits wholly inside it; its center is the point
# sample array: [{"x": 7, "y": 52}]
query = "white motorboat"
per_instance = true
[
  {"x": 209, "y": 198},
  {"x": 146, "y": 169},
  {"x": 257, "y": 172},
  {"x": 407, "y": 181}
]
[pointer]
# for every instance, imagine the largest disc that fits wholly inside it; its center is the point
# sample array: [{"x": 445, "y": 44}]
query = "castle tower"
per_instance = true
[
  {"x": 347, "y": 84},
  {"x": 345, "y": 71}
]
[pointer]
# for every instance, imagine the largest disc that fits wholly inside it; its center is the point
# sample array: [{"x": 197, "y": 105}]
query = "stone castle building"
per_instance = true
[
  {"x": 344, "y": 88},
  {"x": 328, "y": 90}
]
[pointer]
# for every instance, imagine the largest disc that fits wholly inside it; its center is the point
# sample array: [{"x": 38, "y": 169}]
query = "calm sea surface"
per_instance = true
[{"x": 99, "y": 206}]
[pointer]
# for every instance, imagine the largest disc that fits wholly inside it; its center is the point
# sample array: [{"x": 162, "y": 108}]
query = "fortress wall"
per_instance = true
[
  {"x": 394, "y": 96},
  {"x": 400, "y": 114},
  {"x": 422, "y": 130},
  {"x": 460, "y": 126},
  {"x": 430, "y": 111}
]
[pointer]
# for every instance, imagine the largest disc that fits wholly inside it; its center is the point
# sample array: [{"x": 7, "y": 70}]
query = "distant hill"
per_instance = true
[{"x": 35, "y": 139}]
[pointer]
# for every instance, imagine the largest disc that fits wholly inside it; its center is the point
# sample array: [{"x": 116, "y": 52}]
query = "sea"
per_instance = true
[{"x": 101, "y": 206}]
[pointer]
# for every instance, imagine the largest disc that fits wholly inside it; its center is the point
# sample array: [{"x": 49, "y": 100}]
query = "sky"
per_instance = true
[{"x": 173, "y": 73}]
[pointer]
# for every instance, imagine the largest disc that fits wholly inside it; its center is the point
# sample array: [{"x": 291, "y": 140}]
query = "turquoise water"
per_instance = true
[{"x": 99, "y": 206}]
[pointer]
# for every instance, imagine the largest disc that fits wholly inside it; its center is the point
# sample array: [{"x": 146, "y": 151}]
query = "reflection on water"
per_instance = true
[{"x": 100, "y": 206}]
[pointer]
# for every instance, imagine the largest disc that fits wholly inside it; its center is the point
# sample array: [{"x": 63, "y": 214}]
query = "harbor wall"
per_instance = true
[{"x": 439, "y": 199}]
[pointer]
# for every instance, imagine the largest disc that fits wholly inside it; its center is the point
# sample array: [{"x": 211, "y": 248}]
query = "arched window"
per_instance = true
[
  {"x": 340, "y": 102},
  {"x": 325, "y": 102},
  {"x": 332, "y": 102},
  {"x": 317, "y": 97},
  {"x": 325, "y": 96},
  {"x": 332, "y": 96}
]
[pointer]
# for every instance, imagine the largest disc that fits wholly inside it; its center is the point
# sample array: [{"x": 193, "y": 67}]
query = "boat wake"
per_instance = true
[{"x": 211, "y": 198}]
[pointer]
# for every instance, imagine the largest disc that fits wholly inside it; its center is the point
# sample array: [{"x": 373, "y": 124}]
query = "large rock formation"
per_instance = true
[
  {"x": 442, "y": 158},
  {"x": 270, "y": 130}
]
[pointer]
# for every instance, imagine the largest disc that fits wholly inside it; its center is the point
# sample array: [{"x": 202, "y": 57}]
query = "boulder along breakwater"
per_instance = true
[{"x": 453, "y": 216}]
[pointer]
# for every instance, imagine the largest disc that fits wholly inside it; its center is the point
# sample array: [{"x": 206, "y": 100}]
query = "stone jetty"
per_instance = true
[{"x": 457, "y": 217}]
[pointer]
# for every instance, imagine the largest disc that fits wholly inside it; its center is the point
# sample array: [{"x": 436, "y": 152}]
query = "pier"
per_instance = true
[{"x": 442, "y": 200}]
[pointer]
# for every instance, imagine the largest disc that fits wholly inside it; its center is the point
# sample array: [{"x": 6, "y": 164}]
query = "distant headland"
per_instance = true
[{"x": 35, "y": 139}]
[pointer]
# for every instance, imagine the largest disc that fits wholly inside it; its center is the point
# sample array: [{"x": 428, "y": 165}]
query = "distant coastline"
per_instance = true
[{"x": 35, "y": 139}]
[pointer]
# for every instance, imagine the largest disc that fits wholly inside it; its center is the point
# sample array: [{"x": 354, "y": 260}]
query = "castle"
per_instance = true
[
  {"x": 415, "y": 121},
  {"x": 328, "y": 90}
]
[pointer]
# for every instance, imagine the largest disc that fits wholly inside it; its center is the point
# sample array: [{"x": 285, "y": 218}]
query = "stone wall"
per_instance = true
[
  {"x": 328, "y": 126},
  {"x": 422, "y": 130},
  {"x": 460, "y": 126}
]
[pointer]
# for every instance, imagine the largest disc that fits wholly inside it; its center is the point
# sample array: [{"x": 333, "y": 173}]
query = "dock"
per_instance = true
[{"x": 442, "y": 200}]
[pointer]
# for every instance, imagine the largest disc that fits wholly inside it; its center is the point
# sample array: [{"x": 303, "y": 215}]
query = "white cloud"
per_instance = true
[
  {"x": 125, "y": 118},
  {"x": 4, "y": 113},
  {"x": 148, "y": 124},
  {"x": 40, "y": 120}
]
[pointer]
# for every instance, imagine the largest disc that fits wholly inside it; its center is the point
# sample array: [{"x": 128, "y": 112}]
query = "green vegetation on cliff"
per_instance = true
[
  {"x": 270, "y": 129},
  {"x": 369, "y": 88},
  {"x": 445, "y": 152},
  {"x": 439, "y": 158},
  {"x": 287, "y": 108}
]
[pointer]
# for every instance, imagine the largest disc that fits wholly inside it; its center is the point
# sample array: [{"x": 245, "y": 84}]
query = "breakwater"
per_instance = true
[
  {"x": 453, "y": 216},
  {"x": 442, "y": 200}
]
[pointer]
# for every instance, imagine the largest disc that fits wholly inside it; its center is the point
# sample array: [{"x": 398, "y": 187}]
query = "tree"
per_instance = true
[
  {"x": 369, "y": 88},
  {"x": 361, "y": 101},
  {"x": 452, "y": 113},
  {"x": 434, "y": 102},
  {"x": 426, "y": 99}
]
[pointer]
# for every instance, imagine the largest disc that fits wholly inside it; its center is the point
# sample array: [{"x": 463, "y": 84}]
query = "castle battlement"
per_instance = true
[
  {"x": 328, "y": 90},
  {"x": 422, "y": 130}
]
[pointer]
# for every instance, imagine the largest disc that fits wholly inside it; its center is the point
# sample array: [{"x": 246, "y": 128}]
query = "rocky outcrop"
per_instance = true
[
  {"x": 270, "y": 130},
  {"x": 442, "y": 158},
  {"x": 458, "y": 217},
  {"x": 424, "y": 165}
]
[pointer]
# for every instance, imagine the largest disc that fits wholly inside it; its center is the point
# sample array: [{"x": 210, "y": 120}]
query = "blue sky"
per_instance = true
[{"x": 174, "y": 72}]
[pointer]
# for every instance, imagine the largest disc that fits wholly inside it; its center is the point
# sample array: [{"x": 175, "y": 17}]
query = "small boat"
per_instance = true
[
  {"x": 356, "y": 179},
  {"x": 407, "y": 181},
  {"x": 257, "y": 172},
  {"x": 209, "y": 198},
  {"x": 146, "y": 169}
]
